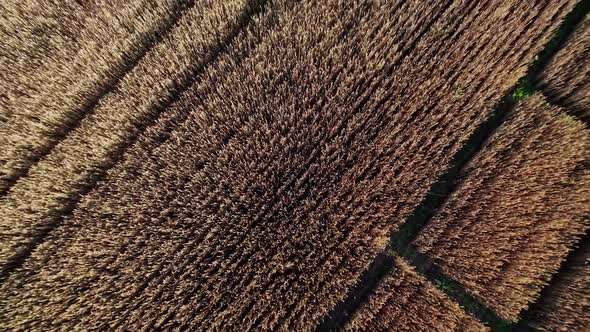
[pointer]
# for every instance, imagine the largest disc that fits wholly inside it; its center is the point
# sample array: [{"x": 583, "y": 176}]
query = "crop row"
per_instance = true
[
  {"x": 566, "y": 303},
  {"x": 567, "y": 78},
  {"x": 298, "y": 152},
  {"x": 406, "y": 301},
  {"x": 36, "y": 202},
  {"x": 58, "y": 57},
  {"x": 521, "y": 205}
]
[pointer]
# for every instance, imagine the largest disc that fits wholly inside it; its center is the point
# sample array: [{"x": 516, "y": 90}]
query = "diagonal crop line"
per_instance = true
[
  {"x": 401, "y": 240},
  {"x": 72, "y": 201},
  {"x": 571, "y": 22},
  {"x": 302, "y": 173},
  {"x": 148, "y": 41},
  {"x": 454, "y": 290},
  {"x": 529, "y": 314},
  {"x": 336, "y": 319},
  {"x": 424, "y": 265},
  {"x": 560, "y": 37}
]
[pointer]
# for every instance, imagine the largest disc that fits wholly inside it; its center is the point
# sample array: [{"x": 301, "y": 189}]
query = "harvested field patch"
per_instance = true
[
  {"x": 53, "y": 185},
  {"x": 250, "y": 166},
  {"x": 566, "y": 80},
  {"x": 566, "y": 305},
  {"x": 406, "y": 301},
  {"x": 522, "y": 202}
]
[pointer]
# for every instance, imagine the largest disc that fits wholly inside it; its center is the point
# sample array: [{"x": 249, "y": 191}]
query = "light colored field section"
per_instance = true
[
  {"x": 566, "y": 305},
  {"x": 265, "y": 205},
  {"x": 567, "y": 77},
  {"x": 58, "y": 58},
  {"x": 523, "y": 201},
  {"x": 405, "y": 301},
  {"x": 37, "y": 201}
]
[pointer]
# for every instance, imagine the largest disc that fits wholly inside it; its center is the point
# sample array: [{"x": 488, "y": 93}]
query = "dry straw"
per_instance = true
[
  {"x": 54, "y": 184},
  {"x": 567, "y": 78},
  {"x": 58, "y": 58},
  {"x": 565, "y": 306},
  {"x": 284, "y": 169},
  {"x": 523, "y": 202},
  {"x": 406, "y": 301}
]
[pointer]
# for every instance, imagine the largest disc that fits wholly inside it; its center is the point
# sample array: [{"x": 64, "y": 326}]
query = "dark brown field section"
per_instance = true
[
  {"x": 565, "y": 307},
  {"x": 57, "y": 58},
  {"x": 52, "y": 186},
  {"x": 406, "y": 301},
  {"x": 522, "y": 203},
  {"x": 302, "y": 148},
  {"x": 567, "y": 77}
]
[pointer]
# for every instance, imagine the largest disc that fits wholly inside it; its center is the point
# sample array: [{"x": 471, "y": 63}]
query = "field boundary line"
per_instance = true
[
  {"x": 303, "y": 173},
  {"x": 571, "y": 23},
  {"x": 580, "y": 12},
  {"x": 553, "y": 99},
  {"x": 529, "y": 314},
  {"x": 19, "y": 259},
  {"x": 401, "y": 240},
  {"x": 149, "y": 41},
  {"x": 563, "y": 35}
]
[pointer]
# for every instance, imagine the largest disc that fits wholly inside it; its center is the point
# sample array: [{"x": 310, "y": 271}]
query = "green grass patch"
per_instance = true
[{"x": 524, "y": 88}]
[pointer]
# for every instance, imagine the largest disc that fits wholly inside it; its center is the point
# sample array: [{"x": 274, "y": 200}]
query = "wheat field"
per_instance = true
[{"x": 256, "y": 165}]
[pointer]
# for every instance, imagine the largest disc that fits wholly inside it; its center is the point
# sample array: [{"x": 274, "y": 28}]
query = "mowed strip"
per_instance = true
[
  {"x": 566, "y": 305},
  {"x": 35, "y": 204},
  {"x": 58, "y": 58},
  {"x": 262, "y": 209},
  {"x": 522, "y": 203},
  {"x": 406, "y": 301},
  {"x": 567, "y": 77}
]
